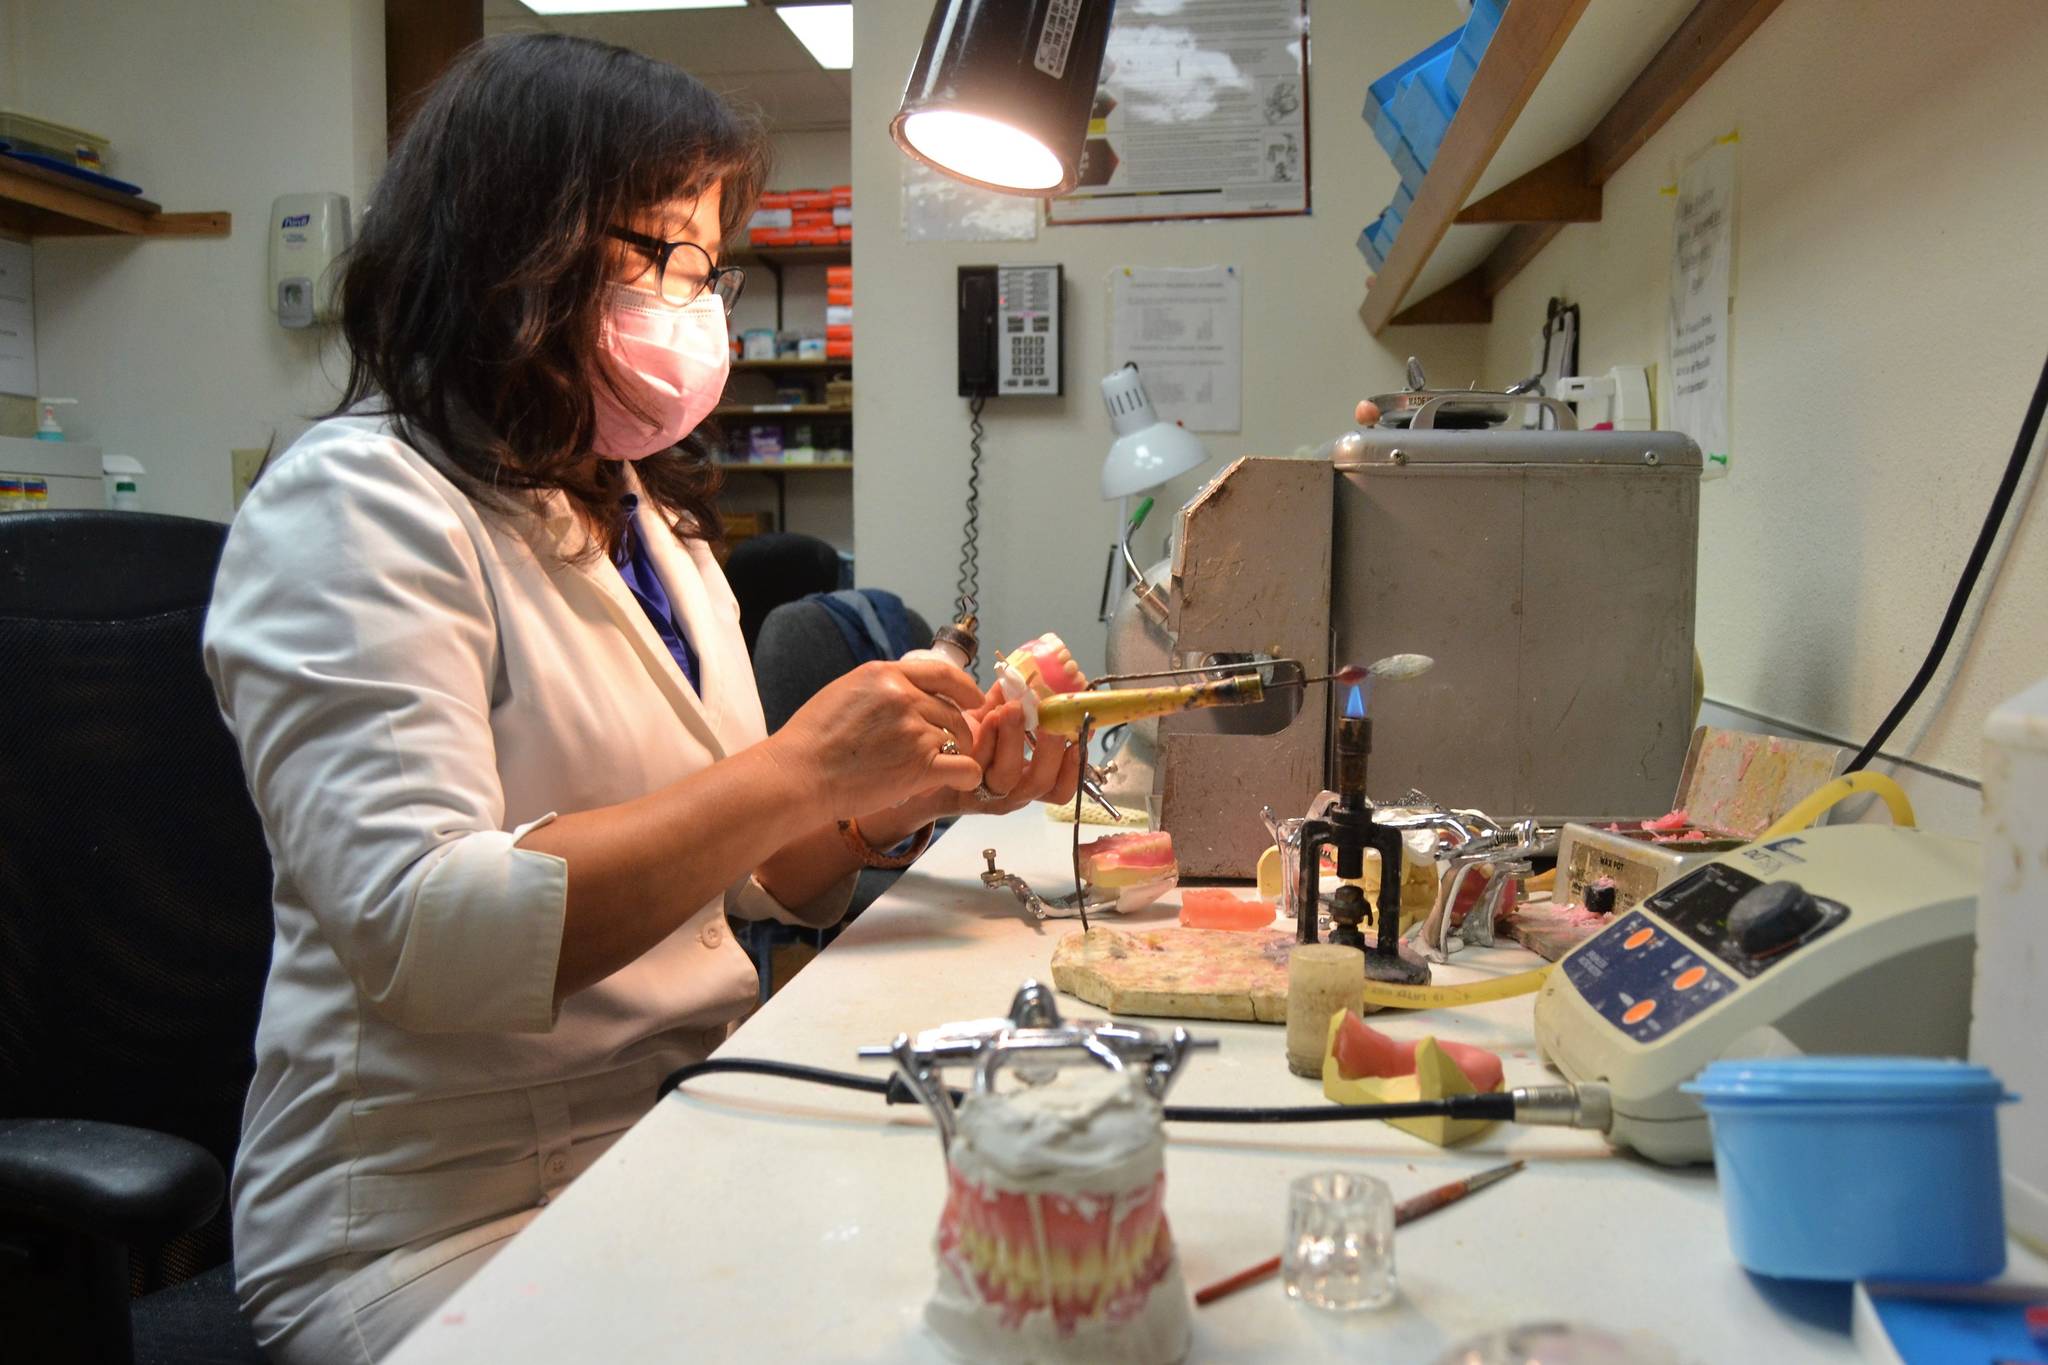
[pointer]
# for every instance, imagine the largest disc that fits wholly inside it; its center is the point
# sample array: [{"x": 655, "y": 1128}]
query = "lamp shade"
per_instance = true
[
  {"x": 1002, "y": 90},
  {"x": 1147, "y": 451}
]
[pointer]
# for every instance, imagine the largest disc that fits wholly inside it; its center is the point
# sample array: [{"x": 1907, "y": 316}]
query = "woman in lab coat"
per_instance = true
[{"x": 492, "y": 701}]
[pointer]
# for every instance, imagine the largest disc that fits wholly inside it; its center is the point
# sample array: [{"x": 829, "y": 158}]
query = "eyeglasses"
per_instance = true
[{"x": 684, "y": 270}]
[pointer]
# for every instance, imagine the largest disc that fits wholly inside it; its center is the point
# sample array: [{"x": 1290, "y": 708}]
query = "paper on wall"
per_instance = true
[
  {"x": 17, "y": 318},
  {"x": 1202, "y": 112},
  {"x": 938, "y": 208},
  {"x": 1702, "y": 243},
  {"x": 1185, "y": 330}
]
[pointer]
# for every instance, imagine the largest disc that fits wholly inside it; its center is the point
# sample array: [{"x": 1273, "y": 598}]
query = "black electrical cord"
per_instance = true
[
  {"x": 968, "y": 589},
  {"x": 1497, "y": 1105},
  {"x": 2001, "y": 501}
]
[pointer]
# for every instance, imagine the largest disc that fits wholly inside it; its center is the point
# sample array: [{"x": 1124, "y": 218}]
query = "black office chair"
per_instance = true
[
  {"x": 135, "y": 929},
  {"x": 799, "y": 651},
  {"x": 768, "y": 570}
]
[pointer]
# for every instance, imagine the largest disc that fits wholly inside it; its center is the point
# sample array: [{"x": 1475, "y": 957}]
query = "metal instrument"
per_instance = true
[
  {"x": 1069, "y": 905},
  {"x": 1034, "y": 1042},
  {"x": 1502, "y": 851}
]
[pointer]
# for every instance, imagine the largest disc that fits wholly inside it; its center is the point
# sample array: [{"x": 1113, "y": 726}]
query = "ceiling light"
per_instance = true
[
  {"x": 827, "y": 30},
  {"x": 1002, "y": 90},
  {"x": 624, "y": 6}
]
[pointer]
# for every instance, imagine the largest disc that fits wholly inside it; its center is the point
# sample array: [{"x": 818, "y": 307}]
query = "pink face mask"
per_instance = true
[{"x": 672, "y": 361}]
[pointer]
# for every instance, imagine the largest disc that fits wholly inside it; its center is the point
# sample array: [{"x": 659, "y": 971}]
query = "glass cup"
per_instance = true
[{"x": 1339, "y": 1252}]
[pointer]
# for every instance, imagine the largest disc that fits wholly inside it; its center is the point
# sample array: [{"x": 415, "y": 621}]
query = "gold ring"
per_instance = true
[{"x": 949, "y": 748}]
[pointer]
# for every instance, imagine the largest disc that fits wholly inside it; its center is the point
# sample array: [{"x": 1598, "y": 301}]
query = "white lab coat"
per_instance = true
[{"x": 413, "y": 685}]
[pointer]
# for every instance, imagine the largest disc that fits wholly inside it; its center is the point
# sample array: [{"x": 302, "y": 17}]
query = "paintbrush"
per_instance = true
[{"x": 1407, "y": 1211}]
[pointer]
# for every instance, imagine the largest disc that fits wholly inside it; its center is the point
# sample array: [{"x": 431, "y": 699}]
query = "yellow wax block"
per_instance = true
[{"x": 1436, "y": 1076}]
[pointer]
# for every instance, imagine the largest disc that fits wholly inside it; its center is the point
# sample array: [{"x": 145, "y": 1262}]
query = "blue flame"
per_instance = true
[{"x": 1354, "y": 705}]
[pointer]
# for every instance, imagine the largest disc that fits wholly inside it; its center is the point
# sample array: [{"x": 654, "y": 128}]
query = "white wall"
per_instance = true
[
  {"x": 1887, "y": 330},
  {"x": 10, "y": 55},
  {"x": 168, "y": 344},
  {"x": 818, "y": 504},
  {"x": 1045, "y": 532}
]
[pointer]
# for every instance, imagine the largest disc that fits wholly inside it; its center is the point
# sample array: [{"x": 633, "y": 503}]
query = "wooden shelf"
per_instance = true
[
  {"x": 779, "y": 410},
  {"x": 776, "y": 257},
  {"x": 1562, "y": 182},
  {"x": 43, "y": 203},
  {"x": 770, "y": 467},
  {"x": 785, "y": 366}
]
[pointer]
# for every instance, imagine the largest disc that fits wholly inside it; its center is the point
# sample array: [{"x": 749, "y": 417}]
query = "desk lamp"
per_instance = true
[{"x": 1146, "y": 453}]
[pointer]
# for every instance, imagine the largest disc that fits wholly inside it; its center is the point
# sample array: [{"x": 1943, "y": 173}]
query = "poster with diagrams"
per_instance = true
[{"x": 1202, "y": 112}]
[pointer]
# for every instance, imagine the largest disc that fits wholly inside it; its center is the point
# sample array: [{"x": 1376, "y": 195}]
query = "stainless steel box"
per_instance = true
[{"x": 1552, "y": 574}]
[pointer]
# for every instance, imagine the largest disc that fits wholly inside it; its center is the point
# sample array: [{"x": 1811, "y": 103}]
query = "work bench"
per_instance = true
[{"x": 752, "y": 1218}]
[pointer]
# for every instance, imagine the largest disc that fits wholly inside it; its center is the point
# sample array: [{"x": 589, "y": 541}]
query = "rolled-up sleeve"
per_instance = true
[
  {"x": 751, "y": 900},
  {"x": 352, "y": 643}
]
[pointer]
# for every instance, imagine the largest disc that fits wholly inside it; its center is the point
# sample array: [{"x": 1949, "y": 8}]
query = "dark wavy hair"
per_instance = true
[{"x": 472, "y": 302}]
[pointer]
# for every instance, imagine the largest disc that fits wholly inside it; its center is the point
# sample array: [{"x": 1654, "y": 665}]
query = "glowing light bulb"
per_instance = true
[{"x": 983, "y": 149}]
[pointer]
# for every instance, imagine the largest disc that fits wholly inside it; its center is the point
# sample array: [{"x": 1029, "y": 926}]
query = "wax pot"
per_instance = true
[{"x": 1846, "y": 1168}]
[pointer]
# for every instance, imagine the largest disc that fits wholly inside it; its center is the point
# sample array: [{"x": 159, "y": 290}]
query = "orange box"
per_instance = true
[
  {"x": 811, "y": 218},
  {"x": 839, "y": 295},
  {"x": 839, "y": 277},
  {"x": 846, "y": 236},
  {"x": 775, "y": 199},
  {"x": 842, "y": 196},
  {"x": 810, "y": 199},
  {"x": 771, "y": 237},
  {"x": 824, "y": 236},
  {"x": 844, "y": 334},
  {"x": 838, "y": 350}
]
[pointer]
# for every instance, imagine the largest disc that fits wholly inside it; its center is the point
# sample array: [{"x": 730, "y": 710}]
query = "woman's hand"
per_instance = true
[
  {"x": 876, "y": 737},
  {"x": 1010, "y": 780}
]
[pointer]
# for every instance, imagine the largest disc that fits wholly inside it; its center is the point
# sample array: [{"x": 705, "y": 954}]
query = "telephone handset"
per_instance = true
[{"x": 1010, "y": 331}]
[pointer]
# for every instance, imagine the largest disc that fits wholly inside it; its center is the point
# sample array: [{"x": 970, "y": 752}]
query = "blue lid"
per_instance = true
[{"x": 1845, "y": 1080}]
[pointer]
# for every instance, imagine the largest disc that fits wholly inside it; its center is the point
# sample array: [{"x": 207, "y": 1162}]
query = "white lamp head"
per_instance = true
[{"x": 1147, "y": 451}]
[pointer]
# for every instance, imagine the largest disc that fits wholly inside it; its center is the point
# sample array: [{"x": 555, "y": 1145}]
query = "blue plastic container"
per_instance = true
[
  {"x": 1423, "y": 108},
  {"x": 1404, "y": 200},
  {"x": 1379, "y": 96},
  {"x": 1369, "y": 243},
  {"x": 1847, "y": 1168},
  {"x": 1471, "y": 46}
]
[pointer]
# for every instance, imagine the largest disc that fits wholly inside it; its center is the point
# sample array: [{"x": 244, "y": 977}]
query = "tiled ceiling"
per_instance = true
[{"x": 744, "y": 53}]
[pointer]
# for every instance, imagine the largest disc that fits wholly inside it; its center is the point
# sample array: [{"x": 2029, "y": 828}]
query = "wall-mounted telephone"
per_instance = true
[{"x": 1010, "y": 330}]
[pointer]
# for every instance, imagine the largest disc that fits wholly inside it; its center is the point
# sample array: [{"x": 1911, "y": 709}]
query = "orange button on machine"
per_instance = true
[
  {"x": 1641, "y": 1010},
  {"x": 1690, "y": 977},
  {"x": 1639, "y": 938}
]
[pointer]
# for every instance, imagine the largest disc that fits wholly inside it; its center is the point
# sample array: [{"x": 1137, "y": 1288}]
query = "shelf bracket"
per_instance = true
[{"x": 1558, "y": 191}]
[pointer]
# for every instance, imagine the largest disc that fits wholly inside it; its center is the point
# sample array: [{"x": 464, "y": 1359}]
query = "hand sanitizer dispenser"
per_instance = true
[{"x": 307, "y": 233}]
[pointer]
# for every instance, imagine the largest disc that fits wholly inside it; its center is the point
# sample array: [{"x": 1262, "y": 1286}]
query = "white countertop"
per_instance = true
[{"x": 760, "y": 1219}]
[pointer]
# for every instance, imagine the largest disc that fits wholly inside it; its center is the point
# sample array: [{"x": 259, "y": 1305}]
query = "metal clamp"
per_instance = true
[
  {"x": 1038, "y": 907},
  {"x": 1523, "y": 840},
  {"x": 1034, "y": 1041}
]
